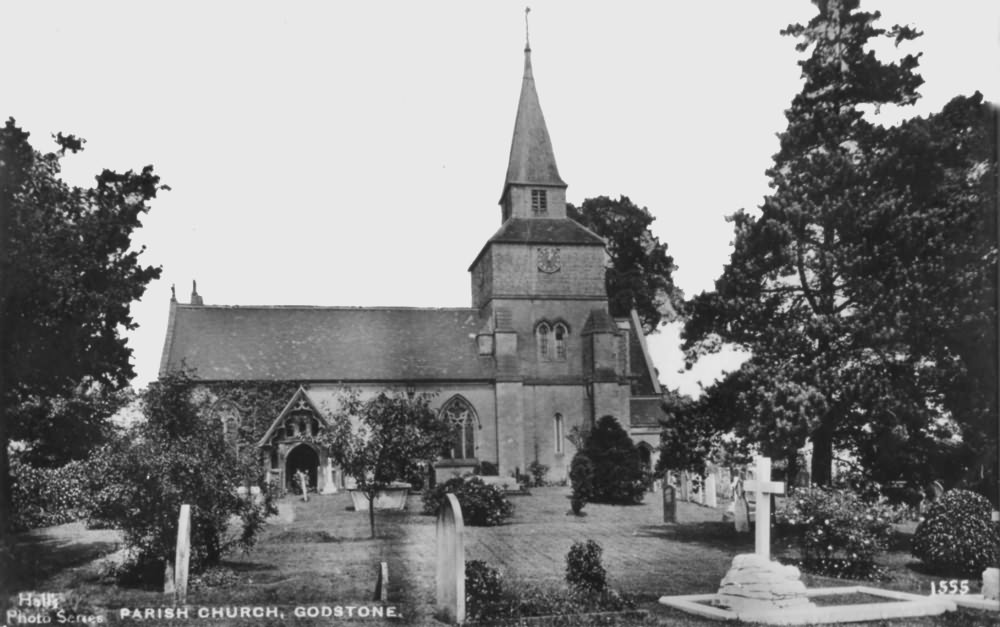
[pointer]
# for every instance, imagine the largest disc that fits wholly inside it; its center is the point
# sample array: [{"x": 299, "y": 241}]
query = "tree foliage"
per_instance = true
[
  {"x": 640, "y": 274},
  {"x": 380, "y": 440},
  {"x": 865, "y": 288},
  {"x": 176, "y": 456},
  {"x": 68, "y": 275}
]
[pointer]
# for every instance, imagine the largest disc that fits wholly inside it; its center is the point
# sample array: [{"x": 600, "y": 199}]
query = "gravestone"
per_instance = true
[
  {"x": 669, "y": 504},
  {"x": 685, "y": 486},
  {"x": 382, "y": 582},
  {"x": 182, "y": 556},
  {"x": 301, "y": 476},
  {"x": 450, "y": 561},
  {"x": 711, "y": 498},
  {"x": 755, "y": 583},
  {"x": 991, "y": 584},
  {"x": 329, "y": 485},
  {"x": 741, "y": 509}
]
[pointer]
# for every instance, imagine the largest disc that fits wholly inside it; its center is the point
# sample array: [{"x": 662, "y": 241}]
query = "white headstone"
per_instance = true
[
  {"x": 329, "y": 487},
  {"x": 991, "y": 584},
  {"x": 762, "y": 487},
  {"x": 450, "y": 561},
  {"x": 183, "y": 555},
  {"x": 711, "y": 498},
  {"x": 685, "y": 486}
]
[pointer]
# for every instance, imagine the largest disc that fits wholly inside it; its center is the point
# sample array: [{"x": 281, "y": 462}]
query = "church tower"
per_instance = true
[{"x": 538, "y": 284}]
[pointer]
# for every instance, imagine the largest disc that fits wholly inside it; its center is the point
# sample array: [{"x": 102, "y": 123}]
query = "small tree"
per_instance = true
[
  {"x": 617, "y": 470},
  {"x": 177, "y": 455},
  {"x": 380, "y": 440}
]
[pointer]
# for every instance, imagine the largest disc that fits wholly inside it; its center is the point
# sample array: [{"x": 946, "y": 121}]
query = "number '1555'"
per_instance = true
[{"x": 950, "y": 586}]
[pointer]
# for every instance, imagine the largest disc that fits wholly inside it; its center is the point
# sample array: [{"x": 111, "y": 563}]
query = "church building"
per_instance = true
[{"x": 536, "y": 354}]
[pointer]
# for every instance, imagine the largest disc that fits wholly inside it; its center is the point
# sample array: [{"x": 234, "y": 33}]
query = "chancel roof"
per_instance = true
[{"x": 324, "y": 343}]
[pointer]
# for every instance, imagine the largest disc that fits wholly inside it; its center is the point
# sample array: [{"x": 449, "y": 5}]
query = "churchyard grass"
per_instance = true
[{"x": 320, "y": 553}]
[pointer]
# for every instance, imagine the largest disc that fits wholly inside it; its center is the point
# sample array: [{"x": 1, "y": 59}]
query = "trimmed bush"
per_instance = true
[
  {"x": 837, "y": 532},
  {"x": 581, "y": 476},
  {"x": 482, "y": 505},
  {"x": 584, "y": 571},
  {"x": 617, "y": 470},
  {"x": 42, "y": 497},
  {"x": 957, "y": 535}
]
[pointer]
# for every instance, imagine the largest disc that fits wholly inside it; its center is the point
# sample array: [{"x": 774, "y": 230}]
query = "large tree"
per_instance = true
[
  {"x": 640, "y": 272},
  {"x": 840, "y": 287},
  {"x": 68, "y": 275}
]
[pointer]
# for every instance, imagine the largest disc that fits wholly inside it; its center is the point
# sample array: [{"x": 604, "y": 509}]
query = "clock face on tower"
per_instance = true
[{"x": 548, "y": 260}]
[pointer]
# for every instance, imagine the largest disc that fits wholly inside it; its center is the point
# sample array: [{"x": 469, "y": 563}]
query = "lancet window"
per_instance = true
[{"x": 463, "y": 421}]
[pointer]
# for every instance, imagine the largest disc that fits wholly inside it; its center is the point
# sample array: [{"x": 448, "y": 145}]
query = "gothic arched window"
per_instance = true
[
  {"x": 463, "y": 421},
  {"x": 560, "y": 333},
  {"x": 559, "y": 434},
  {"x": 542, "y": 332}
]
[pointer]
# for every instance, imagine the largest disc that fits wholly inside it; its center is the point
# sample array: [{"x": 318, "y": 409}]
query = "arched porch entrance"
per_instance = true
[{"x": 302, "y": 457}]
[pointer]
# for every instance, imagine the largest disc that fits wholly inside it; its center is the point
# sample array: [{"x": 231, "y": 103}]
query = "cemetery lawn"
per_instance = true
[{"x": 320, "y": 553}]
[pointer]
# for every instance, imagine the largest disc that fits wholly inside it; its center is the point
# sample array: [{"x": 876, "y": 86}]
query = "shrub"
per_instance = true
[
  {"x": 837, "y": 532},
  {"x": 584, "y": 571},
  {"x": 484, "y": 592},
  {"x": 176, "y": 456},
  {"x": 537, "y": 472},
  {"x": 617, "y": 469},
  {"x": 42, "y": 497},
  {"x": 489, "y": 598},
  {"x": 957, "y": 535},
  {"x": 581, "y": 476},
  {"x": 482, "y": 505}
]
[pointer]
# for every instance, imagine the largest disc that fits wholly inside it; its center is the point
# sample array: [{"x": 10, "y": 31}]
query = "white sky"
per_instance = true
[{"x": 352, "y": 153}]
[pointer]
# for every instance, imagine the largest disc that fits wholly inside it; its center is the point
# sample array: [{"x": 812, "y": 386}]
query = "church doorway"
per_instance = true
[{"x": 303, "y": 457}]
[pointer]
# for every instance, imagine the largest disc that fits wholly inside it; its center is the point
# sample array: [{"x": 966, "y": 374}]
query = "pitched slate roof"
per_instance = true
[
  {"x": 325, "y": 343},
  {"x": 646, "y": 412},
  {"x": 545, "y": 231}
]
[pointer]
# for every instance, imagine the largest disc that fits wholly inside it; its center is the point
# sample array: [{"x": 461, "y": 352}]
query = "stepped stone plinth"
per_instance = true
[{"x": 756, "y": 584}]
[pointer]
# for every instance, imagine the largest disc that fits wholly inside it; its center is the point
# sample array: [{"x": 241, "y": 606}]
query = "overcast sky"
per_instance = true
[{"x": 352, "y": 153}]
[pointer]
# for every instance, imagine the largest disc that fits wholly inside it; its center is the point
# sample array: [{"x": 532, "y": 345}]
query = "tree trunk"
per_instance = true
[
  {"x": 371, "y": 510},
  {"x": 822, "y": 456}
]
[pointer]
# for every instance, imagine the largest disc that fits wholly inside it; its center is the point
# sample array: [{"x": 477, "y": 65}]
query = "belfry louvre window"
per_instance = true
[{"x": 539, "y": 201}]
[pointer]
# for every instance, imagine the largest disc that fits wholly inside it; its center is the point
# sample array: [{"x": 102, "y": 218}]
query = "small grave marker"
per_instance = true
[
  {"x": 183, "y": 555},
  {"x": 762, "y": 487},
  {"x": 991, "y": 584},
  {"x": 382, "y": 583},
  {"x": 711, "y": 498},
  {"x": 450, "y": 561},
  {"x": 669, "y": 503}
]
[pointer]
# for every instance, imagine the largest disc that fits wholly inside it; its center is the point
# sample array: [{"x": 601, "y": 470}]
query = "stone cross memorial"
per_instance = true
[
  {"x": 450, "y": 561},
  {"x": 754, "y": 583},
  {"x": 762, "y": 487}
]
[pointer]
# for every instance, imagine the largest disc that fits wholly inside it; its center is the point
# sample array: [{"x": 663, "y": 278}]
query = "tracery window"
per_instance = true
[
  {"x": 560, "y": 343},
  {"x": 542, "y": 333},
  {"x": 463, "y": 421}
]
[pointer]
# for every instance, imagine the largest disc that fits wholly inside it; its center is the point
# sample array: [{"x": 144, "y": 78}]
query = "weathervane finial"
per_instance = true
[{"x": 527, "y": 40}]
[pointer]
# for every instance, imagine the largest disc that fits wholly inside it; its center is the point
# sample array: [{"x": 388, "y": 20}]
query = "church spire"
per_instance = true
[{"x": 532, "y": 162}]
